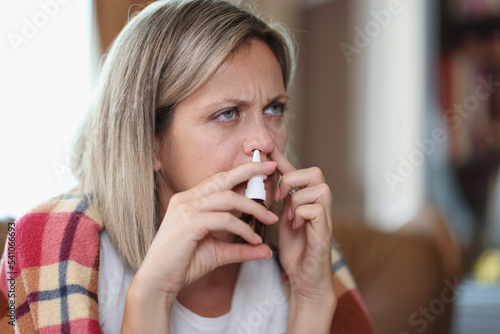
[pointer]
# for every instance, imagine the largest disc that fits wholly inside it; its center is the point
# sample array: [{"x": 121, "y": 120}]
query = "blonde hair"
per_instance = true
[{"x": 164, "y": 53}]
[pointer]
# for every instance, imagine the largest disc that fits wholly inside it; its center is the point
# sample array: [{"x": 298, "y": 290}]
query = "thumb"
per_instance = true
[
  {"x": 285, "y": 224},
  {"x": 233, "y": 253}
]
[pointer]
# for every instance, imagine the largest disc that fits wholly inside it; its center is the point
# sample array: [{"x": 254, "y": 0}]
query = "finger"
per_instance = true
[
  {"x": 319, "y": 193},
  {"x": 283, "y": 165},
  {"x": 315, "y": 215},
  {"x": 290, "y": 239},
  {"x": 298, "y": 179},
  {"x": 208, "y": 222},
  {"x": 234, "y": 253},
  {"x": 229, "y": 179},
  {"x": 229, "y": 200}
]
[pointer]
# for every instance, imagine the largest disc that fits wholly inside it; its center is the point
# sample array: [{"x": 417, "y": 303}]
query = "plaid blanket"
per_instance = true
[{"x": 49, "y": 272}]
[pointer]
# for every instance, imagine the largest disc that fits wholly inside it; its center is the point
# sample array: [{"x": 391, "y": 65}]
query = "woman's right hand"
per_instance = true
[{"x": 184, "y": 248}]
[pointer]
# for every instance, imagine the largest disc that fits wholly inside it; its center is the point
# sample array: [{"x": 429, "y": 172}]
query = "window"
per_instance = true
[
  {"x": 47, "y": 69},
  {"x": 391, "y": 95}
]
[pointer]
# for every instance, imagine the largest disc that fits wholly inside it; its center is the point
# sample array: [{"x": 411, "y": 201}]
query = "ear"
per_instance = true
[{"x": 157, "y": 156}]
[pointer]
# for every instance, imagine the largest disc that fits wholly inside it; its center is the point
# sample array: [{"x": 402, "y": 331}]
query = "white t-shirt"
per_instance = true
[{"x": 258, "y": 304}]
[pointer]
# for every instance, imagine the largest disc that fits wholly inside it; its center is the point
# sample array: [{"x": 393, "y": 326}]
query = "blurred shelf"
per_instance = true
[{"x": 477, "y": 308}]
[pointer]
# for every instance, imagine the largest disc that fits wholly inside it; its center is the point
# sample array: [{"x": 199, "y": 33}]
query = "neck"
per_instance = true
[
  {"x": 163, "y": 195},
  {"x": 211, "y": 295}
]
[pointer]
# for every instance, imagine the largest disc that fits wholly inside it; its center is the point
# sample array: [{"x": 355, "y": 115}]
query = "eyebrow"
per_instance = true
[{"x": 239, "y": 103}]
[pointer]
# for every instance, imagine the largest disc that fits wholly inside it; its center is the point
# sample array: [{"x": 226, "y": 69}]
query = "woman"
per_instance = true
[{"x": 188, "y": 91}]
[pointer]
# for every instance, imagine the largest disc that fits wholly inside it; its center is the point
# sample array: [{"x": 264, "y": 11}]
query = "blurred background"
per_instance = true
[{"x": 397, "y": 101}]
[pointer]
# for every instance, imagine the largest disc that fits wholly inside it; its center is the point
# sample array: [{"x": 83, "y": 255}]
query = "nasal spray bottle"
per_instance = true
[{"x": 256, "y": 191}]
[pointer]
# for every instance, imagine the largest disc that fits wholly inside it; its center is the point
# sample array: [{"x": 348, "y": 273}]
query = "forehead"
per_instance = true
[
  {"x": 251, "y": 70},
  {"x": 254, "y": 59}
]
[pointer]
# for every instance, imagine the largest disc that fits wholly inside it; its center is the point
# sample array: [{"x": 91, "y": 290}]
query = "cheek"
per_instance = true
[
  {"x": 280, "y": 137},
  {"x": 277, "y": 130},
  {"x": 215, "y": 157}
]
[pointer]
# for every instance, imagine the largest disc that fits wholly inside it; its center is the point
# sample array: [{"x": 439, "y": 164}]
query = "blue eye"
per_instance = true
[
  {"x": 228, "y": 114},
  {"x": 276, "y": 109}
]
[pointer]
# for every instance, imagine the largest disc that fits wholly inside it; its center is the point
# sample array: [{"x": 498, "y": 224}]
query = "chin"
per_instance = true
[{"x": 240, "y": 188}]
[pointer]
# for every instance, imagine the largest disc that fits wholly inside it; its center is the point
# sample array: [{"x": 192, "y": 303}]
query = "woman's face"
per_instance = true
[{"x": 215, "y": 129}]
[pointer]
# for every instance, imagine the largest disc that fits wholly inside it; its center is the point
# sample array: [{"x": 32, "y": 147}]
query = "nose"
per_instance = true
[{"x": 259, "y": 137}]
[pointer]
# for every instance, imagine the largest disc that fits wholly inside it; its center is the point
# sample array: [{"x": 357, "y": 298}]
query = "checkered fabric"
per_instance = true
[
  {"x": 49, "y": 271},
  {"x": 55, "y": 268}
]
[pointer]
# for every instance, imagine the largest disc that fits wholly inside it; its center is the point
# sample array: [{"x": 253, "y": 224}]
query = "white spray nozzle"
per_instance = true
[
  {"x": 256, "y": 156},
  {"x": 255, "y": 187}
]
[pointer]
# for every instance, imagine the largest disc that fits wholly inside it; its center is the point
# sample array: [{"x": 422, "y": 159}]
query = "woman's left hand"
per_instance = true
[{"x": 305, "y": 232}]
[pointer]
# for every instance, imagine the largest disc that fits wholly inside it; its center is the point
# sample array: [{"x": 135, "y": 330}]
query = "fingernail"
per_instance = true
[
  {"x": 258, "y": 238},
  {"x": 277, "y": 194},
  {"x": 269, "y": 162},
  {"x": 290, "y": 213},
  {"x": 272, "y": 214},
  {"x": 270, "y": 255}
]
